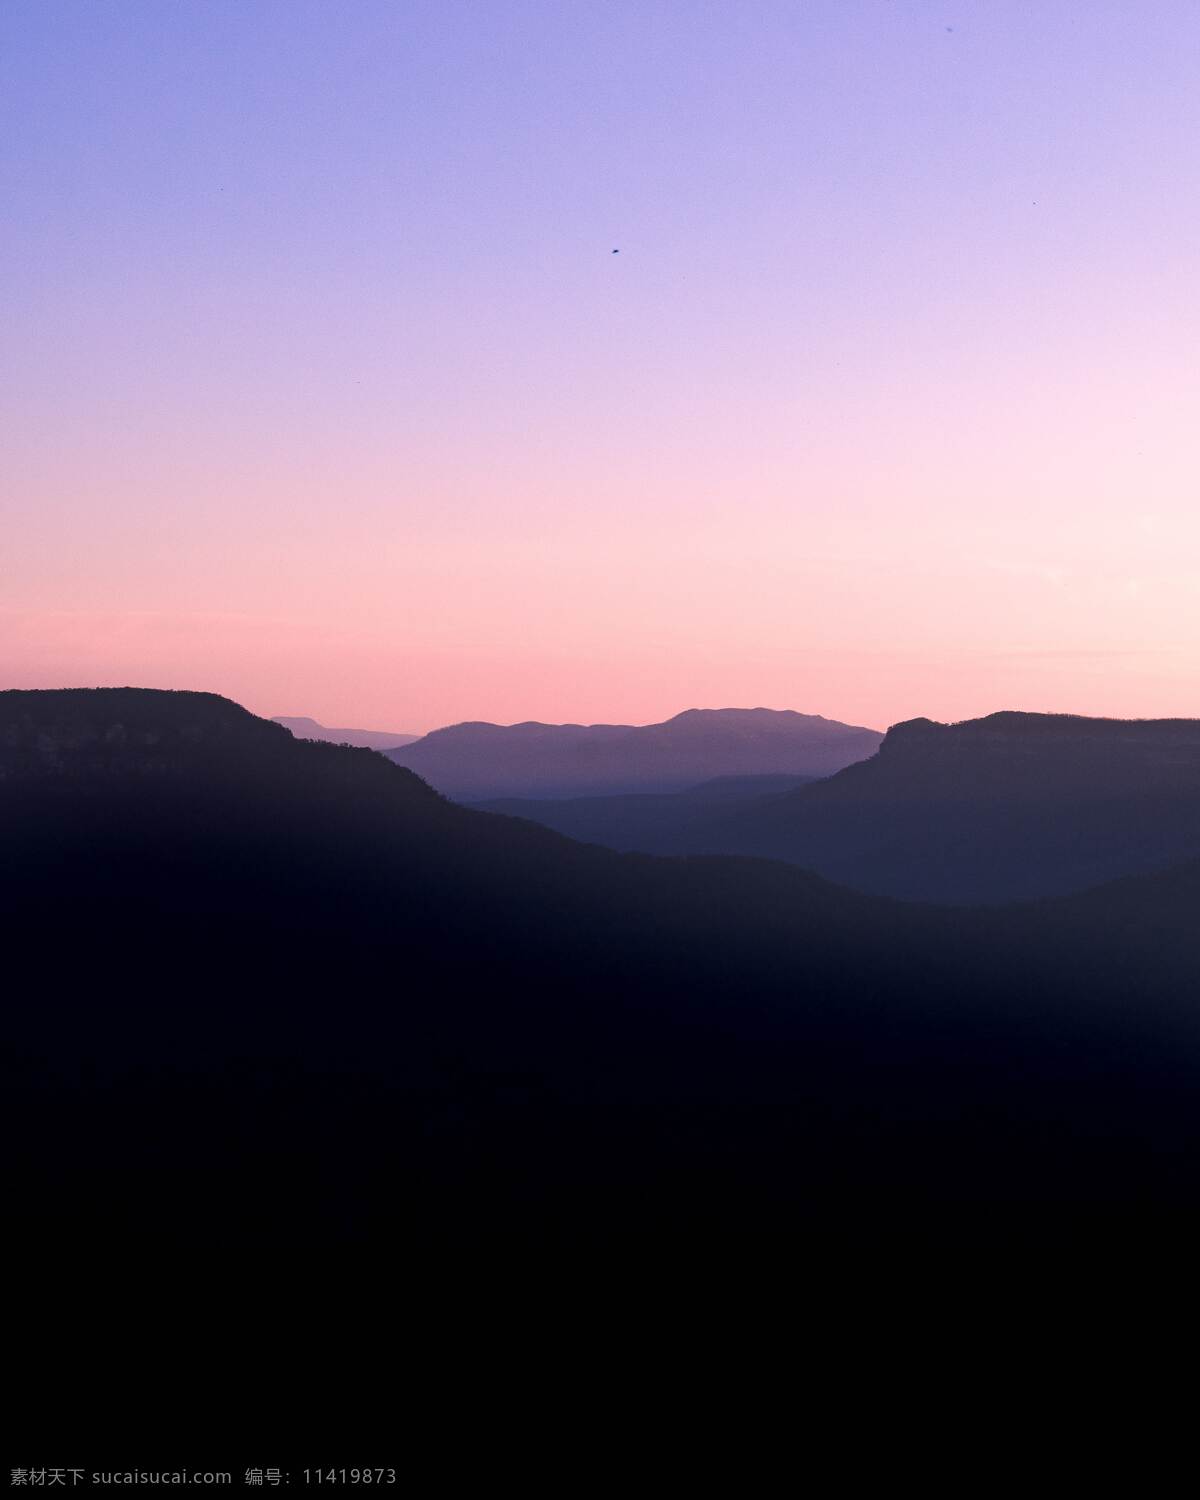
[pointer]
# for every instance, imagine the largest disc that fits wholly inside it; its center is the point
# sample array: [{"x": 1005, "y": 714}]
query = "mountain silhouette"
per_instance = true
[
  {"x": 364, "y": 739},
  {"x": 280, "y": 993},
  {"x": 477, "y": 762},
  {"x": 1010, "y": 807}
]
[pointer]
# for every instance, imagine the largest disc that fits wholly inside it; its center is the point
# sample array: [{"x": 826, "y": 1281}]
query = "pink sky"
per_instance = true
[{"x": 330, "y": 396}]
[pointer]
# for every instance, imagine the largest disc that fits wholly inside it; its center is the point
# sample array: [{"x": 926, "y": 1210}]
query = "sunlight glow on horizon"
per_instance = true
[{"x": 327, "y": 393}]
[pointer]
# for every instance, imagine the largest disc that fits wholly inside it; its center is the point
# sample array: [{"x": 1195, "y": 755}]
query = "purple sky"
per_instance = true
[{"x": 324, "y": 390}]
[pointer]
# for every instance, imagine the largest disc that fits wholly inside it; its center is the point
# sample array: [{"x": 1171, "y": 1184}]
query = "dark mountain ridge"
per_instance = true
[
  {"x": 1040, "y": 755},
  {"x": 475, "y": 762},
  {"x": 1012, "y": 806},
  {"x": 76, "y": 731},
  {"x": 284, "y": 994}
]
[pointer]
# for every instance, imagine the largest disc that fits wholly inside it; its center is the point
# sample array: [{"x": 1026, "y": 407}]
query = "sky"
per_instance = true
[{"x": 322, "y": 387}]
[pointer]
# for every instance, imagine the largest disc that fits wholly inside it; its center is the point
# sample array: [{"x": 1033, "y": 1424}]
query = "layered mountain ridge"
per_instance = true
[
  {"x": 473, "y": 762},
  {"x": 1010, "y": 807},
  {"x": 281, "y": 993}
]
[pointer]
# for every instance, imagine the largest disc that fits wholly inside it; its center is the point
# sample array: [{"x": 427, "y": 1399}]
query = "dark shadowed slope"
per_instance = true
[
  {"x": 478, "y": 762},
  {"x": 1003, "y": 808},
  {"x": 268, "y": 991},
  {"x": 363, "y": 739},
  {"x": 1010, "y": 807},
  {"x": 659, "y": 823}
]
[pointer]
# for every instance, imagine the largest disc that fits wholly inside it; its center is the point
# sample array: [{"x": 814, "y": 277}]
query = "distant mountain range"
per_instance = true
[
  {"x": 363, "y": 739},
  {"x": 272, "y": 992},
  {"x": 476, "y": 761},
  {"x": 1008, "y": 807}
]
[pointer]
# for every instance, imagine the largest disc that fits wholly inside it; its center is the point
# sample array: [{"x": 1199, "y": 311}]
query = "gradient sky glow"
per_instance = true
[{"x": 323, "y": 390}]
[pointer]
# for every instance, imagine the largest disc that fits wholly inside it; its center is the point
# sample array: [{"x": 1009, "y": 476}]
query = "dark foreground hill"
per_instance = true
[
  {"x": 1011, "y": 807},
  {"x": 363, "y": 739},
  {"x": 479, "y": 762},
  {"x": 274, "y": 993}
]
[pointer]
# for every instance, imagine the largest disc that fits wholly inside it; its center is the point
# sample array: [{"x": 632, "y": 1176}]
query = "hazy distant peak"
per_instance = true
[
  {"x": 363, "y": 739},
  {"x": 476, "y": 762},
  {"x": 761, "y": 718},
  {"x": 470, "y": 729},
  {"x": 745, "y": 713}
]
